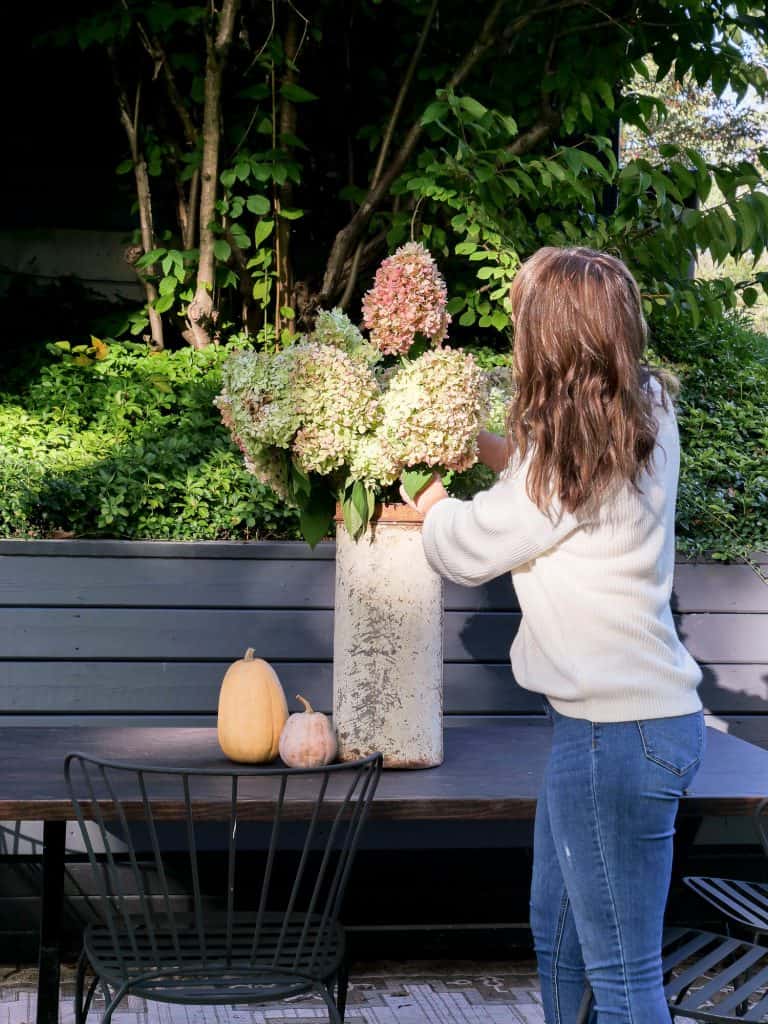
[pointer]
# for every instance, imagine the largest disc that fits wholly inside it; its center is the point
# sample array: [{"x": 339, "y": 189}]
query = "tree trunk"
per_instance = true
[
  {"x": 284, "y": 289},
  {"x": 130, "y": 123},
  {"x": 200, "y": 312}
]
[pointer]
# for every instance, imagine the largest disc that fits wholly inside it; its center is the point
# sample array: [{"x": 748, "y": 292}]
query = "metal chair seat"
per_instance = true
[
  {"x": 715, "y": 978},
  {"x": 224, "y": 966}
]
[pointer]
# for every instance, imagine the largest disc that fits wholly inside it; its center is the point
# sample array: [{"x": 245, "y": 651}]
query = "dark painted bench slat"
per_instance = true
[
  {"x": 295, "y": 583},
  {"x": 213, "y": 635},
  {"x": 193, "y": 687}
]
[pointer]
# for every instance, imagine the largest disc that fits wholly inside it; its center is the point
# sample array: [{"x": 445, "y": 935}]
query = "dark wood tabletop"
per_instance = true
[{"x": 492, "y": 770}]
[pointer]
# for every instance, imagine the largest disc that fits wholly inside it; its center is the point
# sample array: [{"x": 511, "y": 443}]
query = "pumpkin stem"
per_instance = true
[
  {"x": 249, "y": 654},
  {"x": 307, "y": 706}
]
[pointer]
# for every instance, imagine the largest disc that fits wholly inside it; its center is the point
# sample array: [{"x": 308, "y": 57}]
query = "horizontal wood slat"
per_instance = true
[
  {"x": 280, "y": 582},
  {"x": 166, "y": 582},
  {"x": 268, "y": 549},
  {"x": 218, "y": 634},
  {"x": 190, "y": 687}
]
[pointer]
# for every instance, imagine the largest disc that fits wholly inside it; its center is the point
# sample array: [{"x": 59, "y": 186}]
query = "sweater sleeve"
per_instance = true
[{"x": 471, "y": 542}]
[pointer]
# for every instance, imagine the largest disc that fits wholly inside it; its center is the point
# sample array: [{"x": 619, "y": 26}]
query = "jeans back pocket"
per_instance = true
[{"x": 676, "y": 744}]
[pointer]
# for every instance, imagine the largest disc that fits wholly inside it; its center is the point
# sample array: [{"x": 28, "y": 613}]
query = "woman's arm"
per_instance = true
[{"x": 493, "y": 451}]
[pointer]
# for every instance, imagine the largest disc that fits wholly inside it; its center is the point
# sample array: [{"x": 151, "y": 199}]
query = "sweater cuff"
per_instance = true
[{"x": 436, "y": 515}]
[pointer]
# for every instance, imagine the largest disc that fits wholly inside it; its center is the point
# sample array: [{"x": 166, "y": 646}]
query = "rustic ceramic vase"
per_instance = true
[{"x": 388, "y": 644}]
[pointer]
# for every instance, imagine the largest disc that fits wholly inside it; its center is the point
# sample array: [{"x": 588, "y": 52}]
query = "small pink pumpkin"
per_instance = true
[{"x": 307, "y": 739}]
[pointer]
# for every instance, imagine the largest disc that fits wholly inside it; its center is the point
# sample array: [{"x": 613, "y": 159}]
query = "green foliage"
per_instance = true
[
  {"x": 117, "y": 442},
  {"x": 503, "y": 142},
  {"x": 722, "y": 506}
]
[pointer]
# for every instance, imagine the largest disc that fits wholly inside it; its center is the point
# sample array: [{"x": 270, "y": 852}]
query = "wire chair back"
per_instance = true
[{"x": 275, "y": 913}]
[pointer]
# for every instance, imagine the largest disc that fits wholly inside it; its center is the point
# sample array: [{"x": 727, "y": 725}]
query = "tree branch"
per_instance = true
[
  {"x": 130, "y": 123},
  {"x": 348, "y": 236},
  {"x": 387, "y": 140}
]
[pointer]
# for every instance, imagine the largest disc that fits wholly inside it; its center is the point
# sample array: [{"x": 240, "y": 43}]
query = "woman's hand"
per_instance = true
[
  {"x": 493, "y": 451},
  {"x": 428, "y": 496}
]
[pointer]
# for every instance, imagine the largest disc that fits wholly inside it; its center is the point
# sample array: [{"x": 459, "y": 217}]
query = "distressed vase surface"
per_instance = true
[{"x": 388, "y": 648}]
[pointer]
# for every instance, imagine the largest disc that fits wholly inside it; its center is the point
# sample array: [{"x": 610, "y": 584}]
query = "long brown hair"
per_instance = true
[{"x": 584, "y": 401}]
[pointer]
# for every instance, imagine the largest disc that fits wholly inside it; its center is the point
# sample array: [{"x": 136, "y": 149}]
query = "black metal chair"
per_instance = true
[
  {"x": 714, "y": 978},
  {"x": 741, "y": 902},
  {"x": 257, "y": 928},
  {"x": 708, "y": 977}
]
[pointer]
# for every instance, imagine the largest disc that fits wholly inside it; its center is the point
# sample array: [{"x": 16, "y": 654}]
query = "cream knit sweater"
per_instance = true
[{"x": 597, "y": 635}]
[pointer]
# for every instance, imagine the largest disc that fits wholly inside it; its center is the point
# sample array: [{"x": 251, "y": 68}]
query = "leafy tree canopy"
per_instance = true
[{"x": 278, "y": 152}]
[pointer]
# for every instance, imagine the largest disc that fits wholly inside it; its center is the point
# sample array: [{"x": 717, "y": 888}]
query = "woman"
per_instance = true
[{"x": 583, "y": 517}]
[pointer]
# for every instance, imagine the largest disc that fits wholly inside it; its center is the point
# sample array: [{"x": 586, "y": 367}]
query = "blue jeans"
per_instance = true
[{"x": 602, "y": 861}]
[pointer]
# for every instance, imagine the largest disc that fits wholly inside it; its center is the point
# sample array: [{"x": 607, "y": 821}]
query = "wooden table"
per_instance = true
[{"x": 492, "y": 771}]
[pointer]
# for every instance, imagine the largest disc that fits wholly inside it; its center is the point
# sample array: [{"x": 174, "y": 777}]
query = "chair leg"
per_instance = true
[
  {"x": 342, "y": 984},
  {"x": 334, "y": 1016},
  {"x": 80, "y": 1012},
  {"x": 113, "y": 1004}
]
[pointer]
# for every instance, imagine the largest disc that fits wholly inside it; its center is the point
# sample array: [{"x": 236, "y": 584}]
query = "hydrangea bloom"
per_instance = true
[
  {"x": 333, "y": 327},
  {"x": 434, "y": 408},
  {"x": 312, "y": 399},
  {"x": 408, "y": 297}
]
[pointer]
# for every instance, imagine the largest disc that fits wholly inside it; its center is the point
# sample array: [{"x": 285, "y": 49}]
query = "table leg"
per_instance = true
[
  {"x": 686, "y": 828},
  {"x": 54, "y": 834}
]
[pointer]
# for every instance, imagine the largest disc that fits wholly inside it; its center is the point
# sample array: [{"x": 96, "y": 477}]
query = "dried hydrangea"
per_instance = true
[
  {"x": 408, "y": 298},
  {"x": 434, "y": 409},
  {"x": 374, "y": 461},
  {"x": 312, "y": 399},
  {"x": 333, "y": 327}
]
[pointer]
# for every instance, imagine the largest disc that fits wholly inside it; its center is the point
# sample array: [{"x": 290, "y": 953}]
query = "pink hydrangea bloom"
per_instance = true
[{"x": 408, "y": 297}]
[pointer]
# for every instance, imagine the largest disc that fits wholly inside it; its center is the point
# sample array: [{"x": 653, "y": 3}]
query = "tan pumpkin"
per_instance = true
[
  {"x": 308, "y": 739},
  {"x": 252, "y": 711}
]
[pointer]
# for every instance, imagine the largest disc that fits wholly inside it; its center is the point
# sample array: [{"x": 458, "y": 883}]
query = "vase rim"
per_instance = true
[{"x": 396, "y": 512}]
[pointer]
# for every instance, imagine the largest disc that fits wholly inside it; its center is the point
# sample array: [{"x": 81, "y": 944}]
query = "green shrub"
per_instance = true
[
  {"x": 118, "y": 442},
  {"x": 130, "y": 445},
  {"x": 722, "y": 505}
]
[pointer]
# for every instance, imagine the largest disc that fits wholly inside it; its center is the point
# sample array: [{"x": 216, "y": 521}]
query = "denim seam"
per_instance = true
[
  {"x": 556, "y": 953},
  {"x": 611, "y": 897}
]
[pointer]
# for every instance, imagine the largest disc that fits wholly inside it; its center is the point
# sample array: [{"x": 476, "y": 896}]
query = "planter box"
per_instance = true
[{"x": 142, "y": 631}]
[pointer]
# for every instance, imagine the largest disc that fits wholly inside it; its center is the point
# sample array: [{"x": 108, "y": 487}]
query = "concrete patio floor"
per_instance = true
[
  {"x": 417, "y": 992},
  {"x": 384, "y": 992}
]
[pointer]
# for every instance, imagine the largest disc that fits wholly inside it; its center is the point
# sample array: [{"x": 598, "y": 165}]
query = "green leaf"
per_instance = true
[
  {"x": 296, "y": 93},
  {"x": 750, "y": 296},
  {"x": 473, "y": 108},
  {"x": 263, "y": 231},
  {"x": 167, "y": 286},
  {"x": 434, "y": 112},
  {"x": 258, "y": 205},
  {"x": 124, "y": 167},
  {"x": 415, "y": 480},
  {"x": 301, "y": 487},
  {"x": 467, "y": 318},
  {"x": 164, "y": 303},
  {"x": 222, "y": 250},
  {"x": 316, "y": 516},
  {"x": 290, "y": 214}
]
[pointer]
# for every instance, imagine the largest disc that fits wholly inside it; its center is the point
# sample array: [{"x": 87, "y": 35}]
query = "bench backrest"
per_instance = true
[{"x": 144, "y": 631}]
